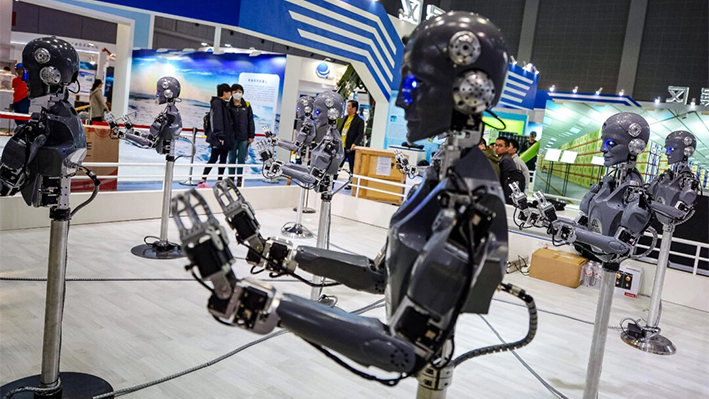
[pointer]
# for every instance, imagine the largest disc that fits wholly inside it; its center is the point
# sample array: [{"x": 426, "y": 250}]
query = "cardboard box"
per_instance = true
[
  {"x": 99, "y": 148},
  {"x": 557, "y": 267}
]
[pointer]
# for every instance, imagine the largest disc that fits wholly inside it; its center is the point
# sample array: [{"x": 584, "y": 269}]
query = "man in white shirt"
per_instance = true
[{"x": 512, "y": 150}]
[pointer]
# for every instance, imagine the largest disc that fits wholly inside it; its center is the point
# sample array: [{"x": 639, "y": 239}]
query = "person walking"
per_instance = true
[
  {"x": 20, "y": 98},
  {"x": 352, "y": 130},
  {"x": 221, "y": 136},
  {"x": 244, "y": 130},
  {"x": 98, "y": 105},
  {"x": 532, "y": 163},
  {"x": 513, "y": 149}
]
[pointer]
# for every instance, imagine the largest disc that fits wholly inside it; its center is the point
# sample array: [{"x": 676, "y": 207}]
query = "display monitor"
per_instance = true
[
  {"x": 569, "y": 156},
  {"x": 552, "y": 155}
]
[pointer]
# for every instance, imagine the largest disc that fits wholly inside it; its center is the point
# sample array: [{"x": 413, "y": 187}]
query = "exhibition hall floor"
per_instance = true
[{"x": 134, "y": 332}]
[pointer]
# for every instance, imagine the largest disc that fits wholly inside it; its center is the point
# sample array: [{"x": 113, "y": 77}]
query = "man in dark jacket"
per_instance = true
[
  {"x": 491, "y": 156},
  {"x": 221, "y": 137},
  {"x": 352, "y": 130},
  {"x": 244, "y": 130},
  {"x": 508, "y": 170}
]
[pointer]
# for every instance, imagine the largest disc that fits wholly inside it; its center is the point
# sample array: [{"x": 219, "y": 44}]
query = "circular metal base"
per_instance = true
[
  {"x": 188, "y": 183},
  {"x": 295, "y": 230},
  {"x": 306, "y": 210},
  {"x": 158, "y": 251},
  {"x": 74, "y": 385},
  {"x": 657, "y": 345}
]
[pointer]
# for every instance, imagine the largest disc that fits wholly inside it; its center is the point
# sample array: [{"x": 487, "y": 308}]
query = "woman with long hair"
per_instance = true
[{"x": 98, "y": 104}]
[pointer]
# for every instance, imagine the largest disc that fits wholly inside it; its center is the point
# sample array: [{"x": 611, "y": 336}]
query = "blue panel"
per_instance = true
[
  {"x": 522, "y": 81},
  {"x": 220, "y": 11},
  {"x": 141, "y": 35}
]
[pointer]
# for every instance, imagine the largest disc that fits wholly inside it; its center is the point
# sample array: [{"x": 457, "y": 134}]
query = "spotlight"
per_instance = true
[
  {"x": 227, "y": 45},
  {"x": 657, "y": 100},
  {"x": 513, "y": 60},
  {"x": 576, "y": 89},
  {"x": 694, "y": 101},
  {"x": 552, "y": 88},
  {"x": 600, "y": 89},
  {"x": 204, "y": 44},
  {"x": 621, "y": 92}
]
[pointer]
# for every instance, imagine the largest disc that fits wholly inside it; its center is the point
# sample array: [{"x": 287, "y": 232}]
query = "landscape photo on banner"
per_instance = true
[{"x": 199, "y": 74}]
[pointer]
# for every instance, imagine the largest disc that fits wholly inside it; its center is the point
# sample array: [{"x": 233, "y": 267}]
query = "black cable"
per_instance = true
[
  {"x": 136, "y": 388},
  {"x": 527, "y": 366},
  {"x": 199, "y": 280},
  {"x": 388, "y": 382},
  {"x": 96, "y": 181},
  {"x": 531, "y": 332}
]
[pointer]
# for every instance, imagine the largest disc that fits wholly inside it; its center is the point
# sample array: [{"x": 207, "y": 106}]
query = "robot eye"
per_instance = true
[
  {"x": 670, "y": 150},
  {"x": 608, "y": 144},
  {"x": 317, "y": 112},
  {"x": 410, "y": 84}
]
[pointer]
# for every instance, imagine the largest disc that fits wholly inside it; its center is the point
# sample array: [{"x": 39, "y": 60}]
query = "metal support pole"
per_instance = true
[
  {"x": 307, "y": 209},
  {"x": 647, "y": 338},
  {"x": 600, "y": 331},
  {"x": 323, "y": 240},
  {"x": 434, "y": 382},
  {"x": 189, "y": 181},
  {"x": 297, "y": 230},
  {"x": 71, "y": 385},
  {"x": 163, "y": 249}
]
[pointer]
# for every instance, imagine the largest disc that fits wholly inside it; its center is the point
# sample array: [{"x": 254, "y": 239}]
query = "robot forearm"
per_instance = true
[
  {"x": 355, "y": 271},
  {"x": 569, "y": 232}
]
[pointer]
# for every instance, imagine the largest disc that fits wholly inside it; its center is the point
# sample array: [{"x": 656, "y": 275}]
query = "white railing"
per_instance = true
[{"x": 698, "y": 246}]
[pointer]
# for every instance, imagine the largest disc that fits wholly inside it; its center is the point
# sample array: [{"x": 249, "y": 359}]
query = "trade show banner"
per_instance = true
[{"x": 199, "y": 74}]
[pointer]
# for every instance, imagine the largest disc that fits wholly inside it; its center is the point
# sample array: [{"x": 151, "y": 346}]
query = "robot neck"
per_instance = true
[
  {"x": 623, "y": 169},
  {"x": 459, "y": 141}
]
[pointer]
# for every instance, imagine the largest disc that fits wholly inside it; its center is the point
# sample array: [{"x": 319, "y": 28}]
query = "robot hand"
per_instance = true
[
  {"x": 205, "y": 242},
  {"x": 17, "y": 155},
  {"x": 270, "y": 136},
  {"x": 546, "y": 209},
  {"x": 127, "y": 132},
  {"x": 402, "y": 163}
]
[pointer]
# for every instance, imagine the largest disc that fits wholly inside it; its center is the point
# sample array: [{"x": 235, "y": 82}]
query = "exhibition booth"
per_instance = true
[{"x": 232, "y": 296}]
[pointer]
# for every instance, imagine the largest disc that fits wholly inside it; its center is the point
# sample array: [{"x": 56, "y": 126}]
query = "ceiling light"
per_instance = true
[
  {"x": 600, "y": 89},
  {"x": 576, "y": 88},
  {"x": 657, "y": 100},
  {"x": 227, "y": 45},
  {"x": 552, "y": 88},
  {"x": 204, "y": 44},
  {"x": 513, "y": 60},
  {"x": 694, "y": 101},
  {"x": 621, "y": 92}
]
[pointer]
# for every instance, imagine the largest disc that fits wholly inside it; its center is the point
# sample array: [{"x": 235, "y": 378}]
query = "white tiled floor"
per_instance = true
[{"x": 134, "y": 332}]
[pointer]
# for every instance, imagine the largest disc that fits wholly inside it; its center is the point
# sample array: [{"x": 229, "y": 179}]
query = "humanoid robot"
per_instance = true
[
  {"x": 39, "y": 161},
  {"x": 164, "y": 130},
  {"x": 162, "y": 135},
  {"x": 614, "y": 215},
  {"x": 304, "y": 137},
  {"x": 447, "y": 244},
  {"x": 325, "y": 158},
  {"x": 403, "y": 164},
  {"x": 673, "y": 194}
]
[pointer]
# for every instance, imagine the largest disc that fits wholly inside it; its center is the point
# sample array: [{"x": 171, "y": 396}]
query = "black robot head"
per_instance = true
[
  {"x": 624, "y": 136},
  {"x": 680, "y": 145},
  {"x": 304, "y": 108},
  {"x": 454, "y": 66},
  {"x": 52, "y": 64},
  {"x": 328, "y": 107},
  {"x": 168, "y": 89}
]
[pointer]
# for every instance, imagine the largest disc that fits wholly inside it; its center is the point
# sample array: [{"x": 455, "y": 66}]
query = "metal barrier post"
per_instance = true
[{"x": 189, "y": 181}]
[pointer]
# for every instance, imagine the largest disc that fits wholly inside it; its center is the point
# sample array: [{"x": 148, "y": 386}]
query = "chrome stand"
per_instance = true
[
  {"x": 189, "y": 181},
  {"x": 433, "y": 382},
  {"x": 600, "y": 331},
  {"x": 306, "y": 208},
  {"x": 647, "y": 338},
  {"x": 163, "y": 249},
  {"x": 297, "y": 230},
  {"x": 71, "y": 385},
  {"x": 323, "y": 240}
]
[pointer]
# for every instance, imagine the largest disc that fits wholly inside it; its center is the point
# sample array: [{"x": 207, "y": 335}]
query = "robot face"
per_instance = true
[
  {"x": 453, "y": 63},
  {"x": 625, "y": 136},
  {"x": 328, "y": 107},
  {"x": 680, "y": 145},
  {"x": 304, "y": 107},
  {"x": 168, "y": 89},
  {"x": 51, "y": 64}
]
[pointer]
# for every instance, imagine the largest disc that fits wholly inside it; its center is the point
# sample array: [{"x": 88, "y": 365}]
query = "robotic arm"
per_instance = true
[
  {"x": 257, "y": 306},
  {"x": 279, "y": 257},
  {"x": 128, "y": 133},
  {"x": 18, "y": 154},
  {"x": 402, "y": 163}
]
